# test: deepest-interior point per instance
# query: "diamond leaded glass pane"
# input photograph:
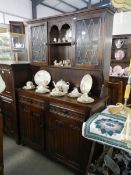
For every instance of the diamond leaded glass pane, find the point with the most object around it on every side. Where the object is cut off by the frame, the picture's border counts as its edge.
(87, 39)
(39, 40)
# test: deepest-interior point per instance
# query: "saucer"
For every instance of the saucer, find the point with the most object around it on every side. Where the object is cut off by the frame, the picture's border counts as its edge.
(28, 88)
(57, 93)
(86, 100)
(72, 95)
(42, 90)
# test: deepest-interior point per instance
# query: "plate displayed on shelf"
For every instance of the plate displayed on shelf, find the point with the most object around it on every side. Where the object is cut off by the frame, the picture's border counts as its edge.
(118, 70)
(110, 73)
(42, 77)
(86, 83)
(126, 72)
(119, 55)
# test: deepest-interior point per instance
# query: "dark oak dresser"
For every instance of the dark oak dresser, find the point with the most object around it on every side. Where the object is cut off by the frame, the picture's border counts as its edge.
(15, 75)
(1, 144)
(68, 47)
(53, 125)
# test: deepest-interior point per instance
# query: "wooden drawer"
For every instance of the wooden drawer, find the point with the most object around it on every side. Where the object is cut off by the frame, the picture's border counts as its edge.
(7, 105)
(65, 112)
(32, 102)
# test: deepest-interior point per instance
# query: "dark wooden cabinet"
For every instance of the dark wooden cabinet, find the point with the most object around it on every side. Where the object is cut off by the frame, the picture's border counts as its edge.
(64, 139)
(15, 76)
(32, 122)
(68, 47)
(1, 144)
(54, 125)
(75, 40)
(120, 55)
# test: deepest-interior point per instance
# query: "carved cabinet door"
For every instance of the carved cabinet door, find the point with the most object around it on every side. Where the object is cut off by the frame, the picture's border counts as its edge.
(64, 140)
(9, 116)
(32, 126)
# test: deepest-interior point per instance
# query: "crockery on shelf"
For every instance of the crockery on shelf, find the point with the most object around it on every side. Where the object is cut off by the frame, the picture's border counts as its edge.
(56, 92)
(62, 86)
(118, 70)
(74, 93)
(119, 55)
(29, 85)
(42, 77)
(84, 98)
(42, 89)
(126, 72)
(119, 43)
(86, 83)
(110, 73)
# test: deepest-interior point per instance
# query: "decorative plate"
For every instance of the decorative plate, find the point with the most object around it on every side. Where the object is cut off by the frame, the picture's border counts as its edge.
(119, 55)
(126, 72)
(42, 77)
(86, 83)
(110, 70)
(118, 70)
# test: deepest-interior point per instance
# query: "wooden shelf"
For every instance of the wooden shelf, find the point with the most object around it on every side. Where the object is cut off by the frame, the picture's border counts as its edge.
(61, 44)
(120, 61)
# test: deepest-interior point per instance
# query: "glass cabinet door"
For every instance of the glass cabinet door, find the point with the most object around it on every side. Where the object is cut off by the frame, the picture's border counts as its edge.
(39, 42)
(87, 41)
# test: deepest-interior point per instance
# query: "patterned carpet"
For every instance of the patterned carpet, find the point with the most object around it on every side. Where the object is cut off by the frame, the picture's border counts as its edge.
(20, 160)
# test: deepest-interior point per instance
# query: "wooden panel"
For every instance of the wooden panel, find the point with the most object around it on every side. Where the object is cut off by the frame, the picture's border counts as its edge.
(9, 116)
(32, 125)
(64, 140)
(1, 144)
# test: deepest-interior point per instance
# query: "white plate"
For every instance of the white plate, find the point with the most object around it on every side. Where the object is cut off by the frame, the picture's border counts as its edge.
(118, 70)
(86, 83)
(126, 72)
(2, 84)
(110, 70)
(42, 77)
(119, 55)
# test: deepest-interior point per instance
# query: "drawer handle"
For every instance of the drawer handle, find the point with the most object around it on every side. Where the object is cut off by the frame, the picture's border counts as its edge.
(66, 112)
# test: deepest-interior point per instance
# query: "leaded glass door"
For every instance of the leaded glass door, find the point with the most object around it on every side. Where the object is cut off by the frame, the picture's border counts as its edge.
(88, 41)
(39, 42)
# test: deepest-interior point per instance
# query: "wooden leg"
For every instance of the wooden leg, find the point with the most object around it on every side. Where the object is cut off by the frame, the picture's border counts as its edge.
(90, 157)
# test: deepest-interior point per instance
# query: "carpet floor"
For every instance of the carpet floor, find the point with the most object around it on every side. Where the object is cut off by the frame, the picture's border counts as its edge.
(21, 160)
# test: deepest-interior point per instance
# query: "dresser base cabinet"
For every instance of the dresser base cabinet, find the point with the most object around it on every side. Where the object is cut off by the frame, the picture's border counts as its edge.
(32, 122)
(53, 125)
(15, 75)
(64, 140)
(1, 144)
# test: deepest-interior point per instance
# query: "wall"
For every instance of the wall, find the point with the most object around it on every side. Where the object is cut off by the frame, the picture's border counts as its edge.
(16, 10)
(122, 23)
(45, 11)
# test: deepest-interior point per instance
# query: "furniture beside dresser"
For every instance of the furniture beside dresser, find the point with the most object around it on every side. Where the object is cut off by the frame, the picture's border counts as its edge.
(53, 125)
(120, 58)
(1, 143)
(15, 75)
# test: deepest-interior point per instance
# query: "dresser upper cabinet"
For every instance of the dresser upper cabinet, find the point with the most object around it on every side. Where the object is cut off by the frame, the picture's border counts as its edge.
(80, 39)
(61, 41)
(38, 42)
